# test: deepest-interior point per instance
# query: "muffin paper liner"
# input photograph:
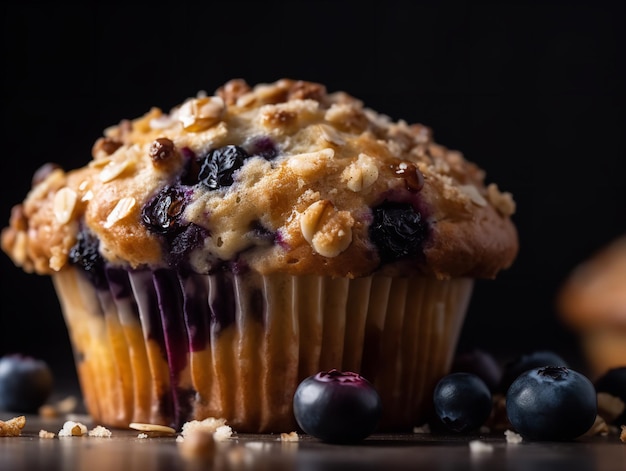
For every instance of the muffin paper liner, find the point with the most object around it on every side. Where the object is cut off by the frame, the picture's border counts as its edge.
(165, 347)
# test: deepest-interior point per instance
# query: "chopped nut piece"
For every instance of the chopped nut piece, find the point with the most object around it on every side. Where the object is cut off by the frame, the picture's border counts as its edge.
(113, 170)
(12, 427)
(361, 174)
(152, 428)
(122, 209)
(64, 204)
(310, 162)
(327, 230)
(472, 193)
(199, 114)
(162, 150)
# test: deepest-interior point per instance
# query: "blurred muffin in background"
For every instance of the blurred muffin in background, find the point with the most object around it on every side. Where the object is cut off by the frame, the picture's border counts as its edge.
(592, 301)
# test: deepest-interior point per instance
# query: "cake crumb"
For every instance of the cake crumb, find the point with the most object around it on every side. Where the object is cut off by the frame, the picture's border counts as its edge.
(512, 437)
(197, 444)
(478, 446)
(422, 429)
(12, 427)
(100, 431)
(73, 429)
(210, 424)
(46, 434)
(622, 435)
(289, 437)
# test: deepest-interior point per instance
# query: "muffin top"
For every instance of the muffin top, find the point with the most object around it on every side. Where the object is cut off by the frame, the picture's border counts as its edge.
(594, 293)
(279, 177)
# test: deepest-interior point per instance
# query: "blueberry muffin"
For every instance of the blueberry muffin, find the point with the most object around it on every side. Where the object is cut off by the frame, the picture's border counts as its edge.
(592, 302)
(209, 258)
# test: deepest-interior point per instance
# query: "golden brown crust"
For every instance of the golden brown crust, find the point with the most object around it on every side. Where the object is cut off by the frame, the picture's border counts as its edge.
(336, 161)
(594, 294)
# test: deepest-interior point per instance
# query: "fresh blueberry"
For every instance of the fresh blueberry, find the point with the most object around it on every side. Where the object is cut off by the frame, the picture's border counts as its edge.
(613, 382)
(337, 407)
(397, 230)
(528, 361)
(481, 363)
(462, 402)
(551, 403)
(219, 165)
(25, 383)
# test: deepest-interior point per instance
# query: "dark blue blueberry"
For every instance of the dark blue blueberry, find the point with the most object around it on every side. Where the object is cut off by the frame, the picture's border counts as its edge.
(462, 402)
(162, 214)
(25, 383)
(551, 403)
(481, 363)
(528, 361)
(613, 382)
(398, 231)
(85, 253)
(219, 165)
(337, 407)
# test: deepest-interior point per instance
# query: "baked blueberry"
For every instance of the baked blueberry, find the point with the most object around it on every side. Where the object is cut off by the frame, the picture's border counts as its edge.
(85, 253)
(397, 230)
(551, 403)
(337, 407)
(528, 361)
(25, 383)
(219, 165)
(462, 402)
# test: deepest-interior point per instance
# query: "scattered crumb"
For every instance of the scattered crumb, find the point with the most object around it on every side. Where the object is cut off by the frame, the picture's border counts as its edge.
(12, 427)
(512, 437)
(478, 446)
(289, 437)
(622, 435)
(73, 429)
(100, 431)
(223, 432)
(423, 429)
(64, 406)
(599, 427)
(46, 434)
(258, 446)
(210, 424)
(143, 435)
(197, 444)
(610, 407)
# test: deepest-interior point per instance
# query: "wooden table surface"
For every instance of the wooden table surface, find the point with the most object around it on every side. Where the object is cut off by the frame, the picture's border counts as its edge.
(125, 451)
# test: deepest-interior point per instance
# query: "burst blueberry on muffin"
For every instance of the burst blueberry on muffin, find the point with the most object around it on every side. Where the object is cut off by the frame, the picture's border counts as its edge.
(209, 258)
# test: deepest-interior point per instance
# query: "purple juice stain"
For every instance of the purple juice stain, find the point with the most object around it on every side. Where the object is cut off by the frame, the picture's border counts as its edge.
(170, 303)
(196, 310)
(222, 303)
(119, 284)
(262, 146)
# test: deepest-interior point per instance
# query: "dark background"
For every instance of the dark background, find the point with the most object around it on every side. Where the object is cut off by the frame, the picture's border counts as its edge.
(533, 93)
